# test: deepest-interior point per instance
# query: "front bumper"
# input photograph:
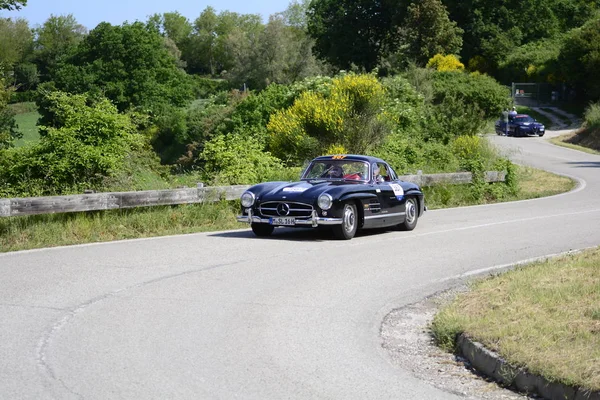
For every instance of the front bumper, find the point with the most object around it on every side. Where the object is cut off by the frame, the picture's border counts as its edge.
(314, 220)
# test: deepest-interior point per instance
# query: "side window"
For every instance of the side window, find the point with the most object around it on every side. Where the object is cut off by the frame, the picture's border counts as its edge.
(383, 171)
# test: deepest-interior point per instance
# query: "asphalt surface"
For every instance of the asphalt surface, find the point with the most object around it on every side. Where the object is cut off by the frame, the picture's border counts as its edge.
(296, 316)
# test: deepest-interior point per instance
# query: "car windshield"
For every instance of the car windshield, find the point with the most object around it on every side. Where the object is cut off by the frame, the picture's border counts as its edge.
(524, 118)
(337, 170)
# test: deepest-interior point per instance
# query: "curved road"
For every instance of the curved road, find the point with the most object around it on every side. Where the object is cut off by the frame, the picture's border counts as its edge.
(296, 316)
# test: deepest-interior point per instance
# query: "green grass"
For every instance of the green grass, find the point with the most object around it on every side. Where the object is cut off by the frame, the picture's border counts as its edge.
(536, 115)
(30, 232)
(533, 183)
(544, 317)
(26, 118)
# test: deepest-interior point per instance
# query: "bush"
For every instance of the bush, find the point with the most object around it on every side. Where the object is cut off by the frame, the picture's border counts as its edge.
(206, 87)
(452, 117)
(8, 126)
(89, 145)
(234, 159)
(350, 115)
(480, 91)
(450, 62)
(592, 116)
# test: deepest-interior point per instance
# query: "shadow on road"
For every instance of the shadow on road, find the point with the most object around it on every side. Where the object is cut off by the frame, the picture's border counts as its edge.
(585, 164)
(296, 234)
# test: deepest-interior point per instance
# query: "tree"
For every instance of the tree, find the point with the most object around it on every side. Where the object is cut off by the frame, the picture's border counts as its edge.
(129, 64)
(16, 44)
(355, 32)
(579, 60)
(427, 31)
(12, 4)
(55, 39)
(8, 127)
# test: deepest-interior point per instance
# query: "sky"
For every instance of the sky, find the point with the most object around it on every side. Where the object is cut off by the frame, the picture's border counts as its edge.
(90, 13)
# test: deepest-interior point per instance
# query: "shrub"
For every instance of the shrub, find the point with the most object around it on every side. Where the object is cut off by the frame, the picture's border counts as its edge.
(8, 126)
(474, 89)
(89, 145)
(592, 116)
(452, 117)
(234, 159)
(445, 63)
(349, 114)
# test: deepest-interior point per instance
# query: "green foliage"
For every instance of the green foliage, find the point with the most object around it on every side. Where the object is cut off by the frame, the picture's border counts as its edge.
(592, 116)
(56, 38)
(579, 59)
(348, 32)
(88, 144)
(534, 61)
(206, 87)
(16, 44)
(476, 90)
(235, 159)
(8, 127)
(427, 31)
(26, 76)
(443, 63)
(128, 64)
(494, 29)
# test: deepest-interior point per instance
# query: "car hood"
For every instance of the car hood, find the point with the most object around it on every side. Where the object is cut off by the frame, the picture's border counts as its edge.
(303, 191)
(531, 124)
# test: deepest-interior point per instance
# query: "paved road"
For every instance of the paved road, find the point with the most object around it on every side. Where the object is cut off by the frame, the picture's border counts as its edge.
(296, 316)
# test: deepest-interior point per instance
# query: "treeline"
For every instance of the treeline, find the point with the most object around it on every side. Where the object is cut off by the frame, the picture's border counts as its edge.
(228, 99)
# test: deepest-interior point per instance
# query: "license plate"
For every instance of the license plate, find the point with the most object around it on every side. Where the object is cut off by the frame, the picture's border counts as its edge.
(282, 221)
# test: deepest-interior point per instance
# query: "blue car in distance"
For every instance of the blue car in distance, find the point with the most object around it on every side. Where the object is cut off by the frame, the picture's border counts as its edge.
(520, 125)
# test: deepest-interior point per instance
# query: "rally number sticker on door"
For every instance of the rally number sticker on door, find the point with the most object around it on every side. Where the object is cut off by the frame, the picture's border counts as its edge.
(398, 191)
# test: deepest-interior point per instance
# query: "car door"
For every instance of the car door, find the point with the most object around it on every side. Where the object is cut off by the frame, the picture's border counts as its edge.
(390, 195)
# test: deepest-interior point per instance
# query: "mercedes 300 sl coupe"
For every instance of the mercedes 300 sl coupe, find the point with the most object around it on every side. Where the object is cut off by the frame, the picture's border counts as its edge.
(343, 192)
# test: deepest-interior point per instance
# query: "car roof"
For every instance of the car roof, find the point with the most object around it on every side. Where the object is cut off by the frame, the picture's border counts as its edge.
(351, 157)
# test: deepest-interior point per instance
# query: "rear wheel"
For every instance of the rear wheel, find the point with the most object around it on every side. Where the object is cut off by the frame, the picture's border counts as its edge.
(262, 229)
(412, 215)
(349, 224)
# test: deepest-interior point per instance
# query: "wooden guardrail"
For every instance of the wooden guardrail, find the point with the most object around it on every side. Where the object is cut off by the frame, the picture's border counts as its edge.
(118, 200)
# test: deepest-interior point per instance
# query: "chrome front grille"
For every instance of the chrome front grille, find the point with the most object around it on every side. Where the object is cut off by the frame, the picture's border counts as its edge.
(285, 209)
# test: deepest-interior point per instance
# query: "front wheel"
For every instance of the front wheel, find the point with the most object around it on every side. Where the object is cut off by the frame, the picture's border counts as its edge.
(262, 229)
(347, 229)
(412, 215)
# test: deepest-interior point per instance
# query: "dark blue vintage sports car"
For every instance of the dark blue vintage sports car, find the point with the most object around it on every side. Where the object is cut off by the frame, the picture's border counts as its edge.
(520, 125)
(344, 192)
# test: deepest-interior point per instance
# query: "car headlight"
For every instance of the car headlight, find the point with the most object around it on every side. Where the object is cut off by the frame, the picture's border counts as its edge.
(248, 199)
(325, 201)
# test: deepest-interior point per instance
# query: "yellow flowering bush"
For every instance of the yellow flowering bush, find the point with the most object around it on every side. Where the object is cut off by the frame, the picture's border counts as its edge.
(445, 63)
(346, 116)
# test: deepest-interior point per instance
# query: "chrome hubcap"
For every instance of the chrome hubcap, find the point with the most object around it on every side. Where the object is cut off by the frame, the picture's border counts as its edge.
(349, 219)
(411, 211)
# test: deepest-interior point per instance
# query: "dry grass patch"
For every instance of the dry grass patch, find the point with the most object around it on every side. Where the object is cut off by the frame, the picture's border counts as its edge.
(545, 317)
(534, 183)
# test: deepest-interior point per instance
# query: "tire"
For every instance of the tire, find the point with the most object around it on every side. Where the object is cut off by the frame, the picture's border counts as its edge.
(347, 229)
(412, 215)
(262, 230)
(541, 134)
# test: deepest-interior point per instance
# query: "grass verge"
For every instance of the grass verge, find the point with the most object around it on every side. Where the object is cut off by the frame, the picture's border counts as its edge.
(586, 140)
(544, 317)
(29, 232)
(533, 183)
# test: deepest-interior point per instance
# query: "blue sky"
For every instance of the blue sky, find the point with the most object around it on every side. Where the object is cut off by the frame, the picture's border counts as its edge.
(91, 12)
